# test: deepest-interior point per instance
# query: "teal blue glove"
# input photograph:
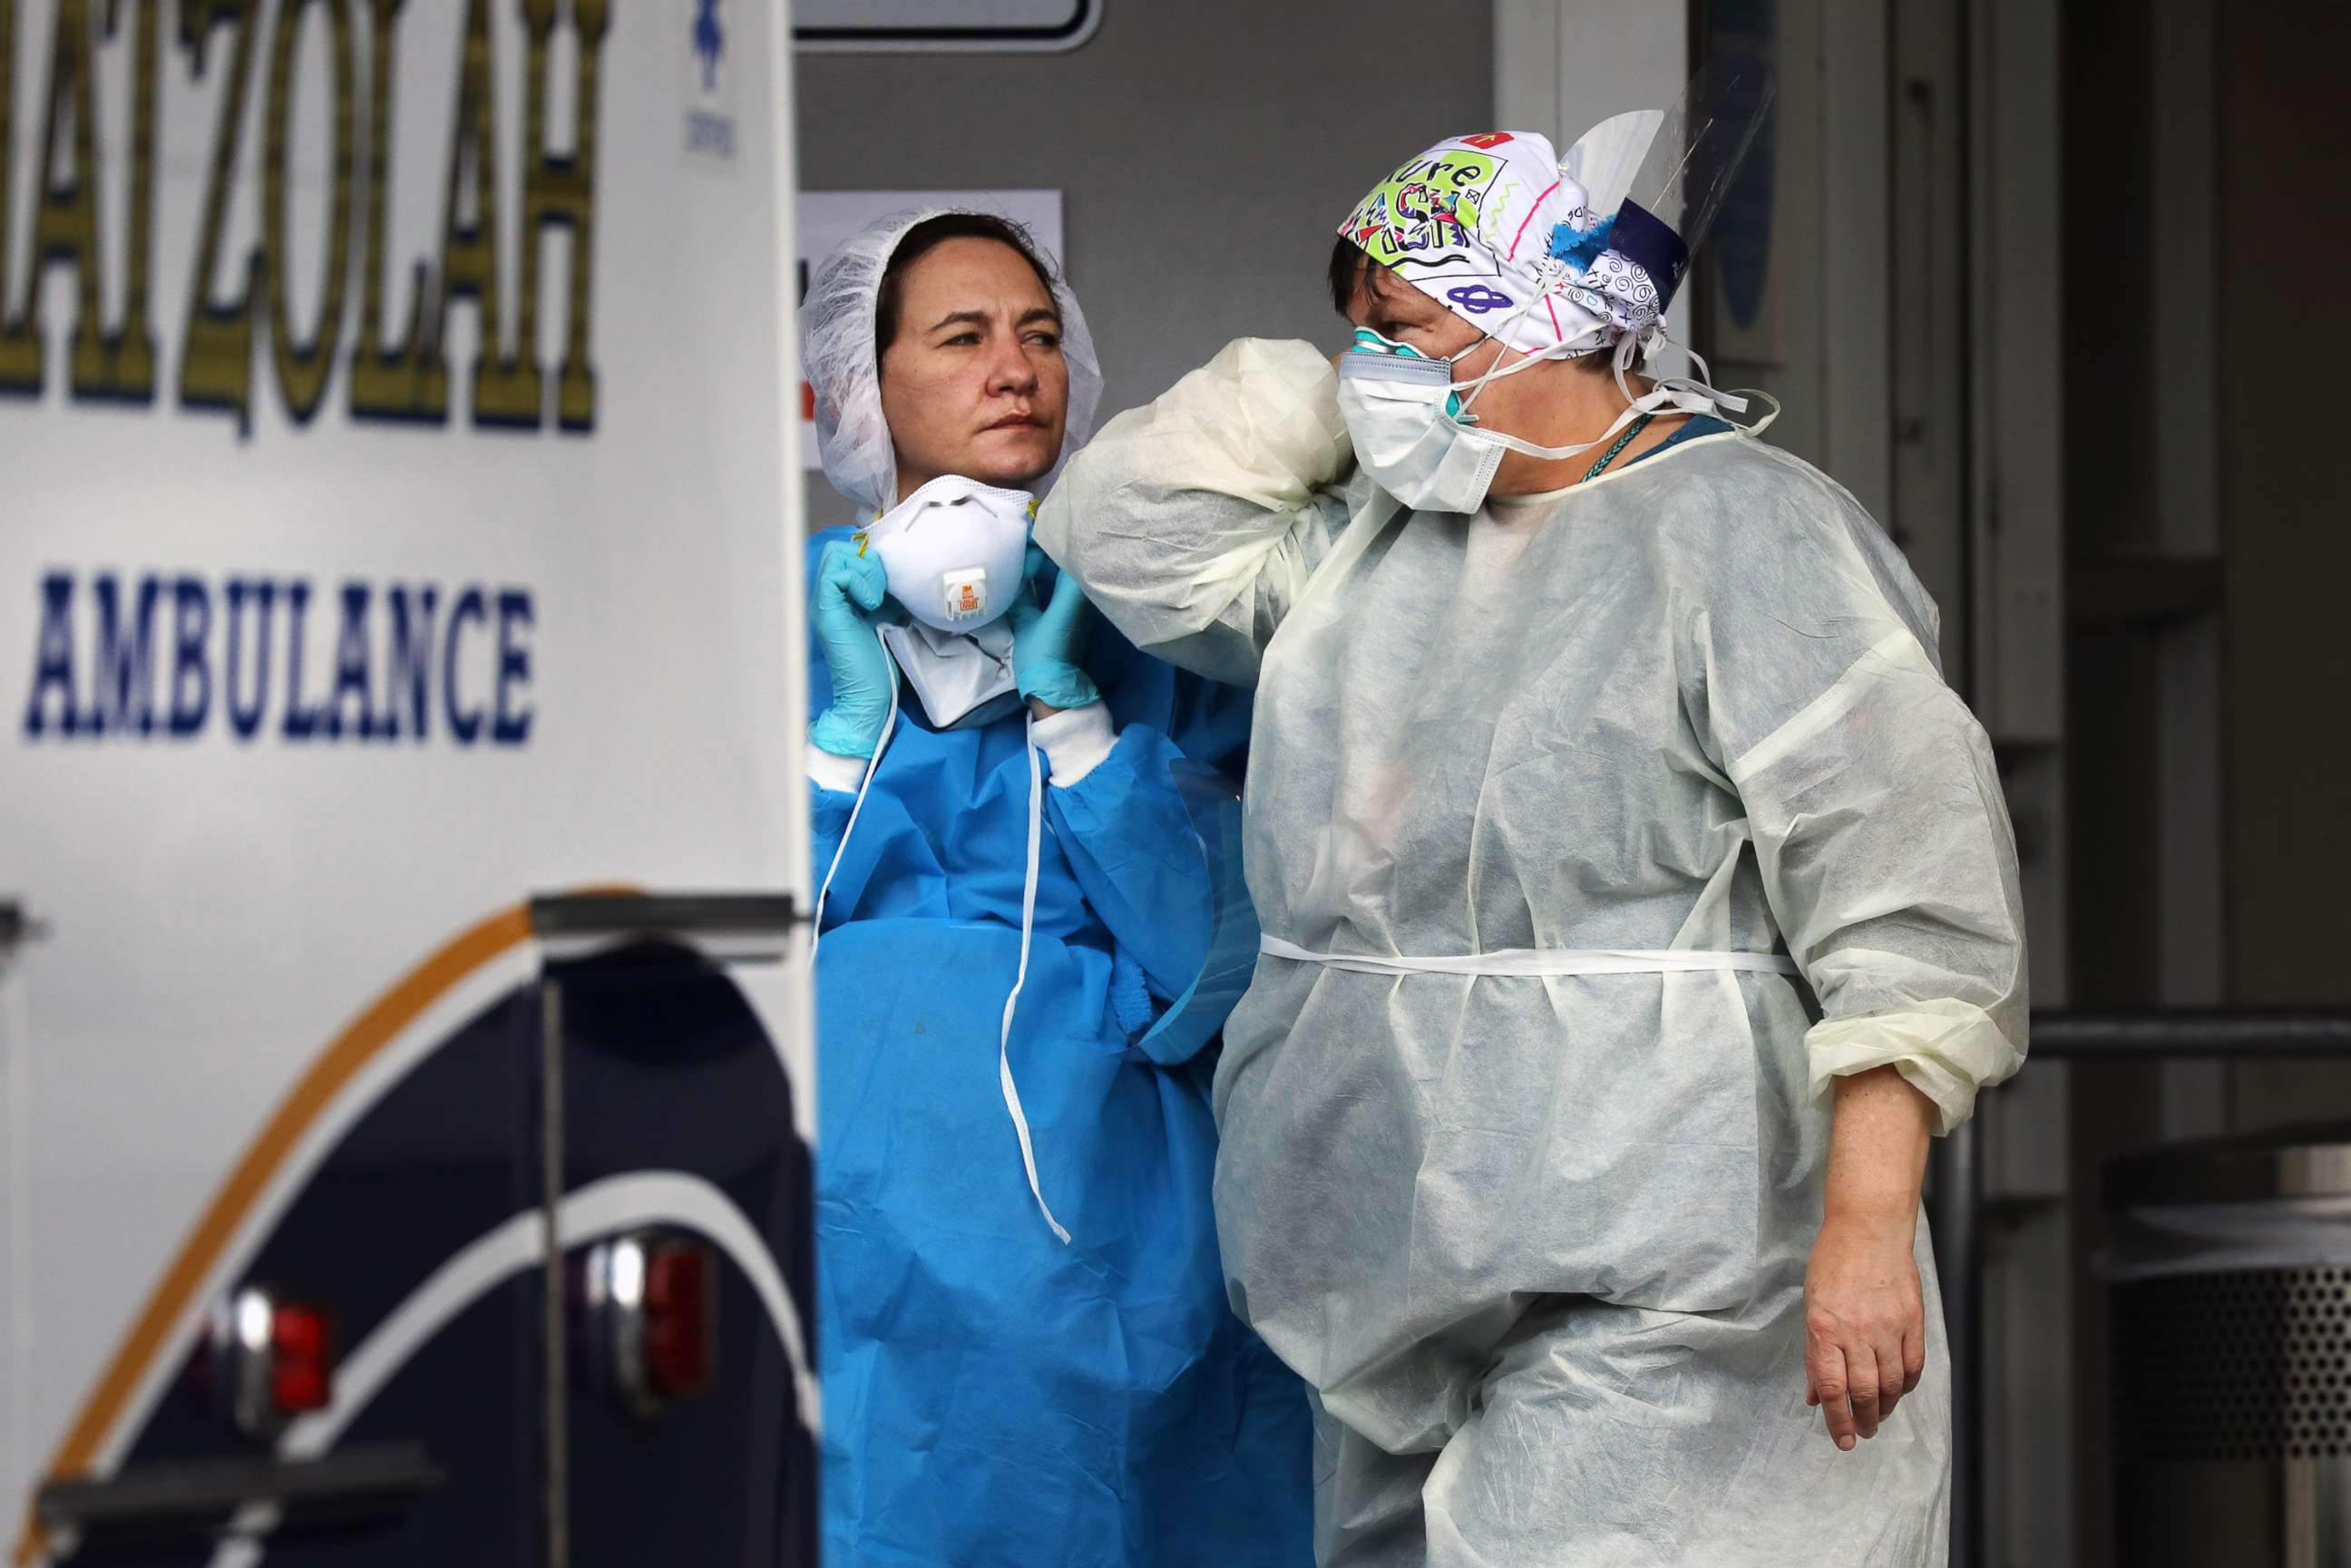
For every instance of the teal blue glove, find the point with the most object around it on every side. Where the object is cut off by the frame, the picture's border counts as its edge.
(848, 592)
(1049, 641)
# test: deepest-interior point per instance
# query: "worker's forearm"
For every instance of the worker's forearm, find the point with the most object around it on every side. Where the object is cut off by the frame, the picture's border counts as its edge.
(1877, 1149)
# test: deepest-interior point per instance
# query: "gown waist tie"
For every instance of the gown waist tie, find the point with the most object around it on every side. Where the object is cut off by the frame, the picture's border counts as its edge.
(1541, 961)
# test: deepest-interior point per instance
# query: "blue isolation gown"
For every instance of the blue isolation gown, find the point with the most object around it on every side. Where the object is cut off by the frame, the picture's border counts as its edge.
(992, 1398)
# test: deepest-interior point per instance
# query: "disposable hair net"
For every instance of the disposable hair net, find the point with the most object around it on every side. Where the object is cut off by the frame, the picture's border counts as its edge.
(837, 319)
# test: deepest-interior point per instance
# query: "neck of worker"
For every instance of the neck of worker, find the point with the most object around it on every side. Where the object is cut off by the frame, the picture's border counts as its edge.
(1557, 402)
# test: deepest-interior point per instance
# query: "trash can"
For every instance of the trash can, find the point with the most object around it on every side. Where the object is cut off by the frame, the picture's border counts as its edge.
(2230, 1283)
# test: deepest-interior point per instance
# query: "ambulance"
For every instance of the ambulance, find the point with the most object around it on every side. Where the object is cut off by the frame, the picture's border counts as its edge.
(405, 1091)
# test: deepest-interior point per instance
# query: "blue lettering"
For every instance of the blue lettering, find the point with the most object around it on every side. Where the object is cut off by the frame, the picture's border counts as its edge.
(351, 667)
(463, 724)
(302, 723)
(53, 658)
(171, 654)
(121, 695)
(512, 728)
(191, 626)
(410, 671)
(244, 720)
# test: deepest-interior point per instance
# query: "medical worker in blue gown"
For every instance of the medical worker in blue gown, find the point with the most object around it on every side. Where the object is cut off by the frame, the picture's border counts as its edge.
(1031, 926)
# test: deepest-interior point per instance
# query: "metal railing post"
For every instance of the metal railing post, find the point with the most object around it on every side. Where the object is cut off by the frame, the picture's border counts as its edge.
(1954, 1217)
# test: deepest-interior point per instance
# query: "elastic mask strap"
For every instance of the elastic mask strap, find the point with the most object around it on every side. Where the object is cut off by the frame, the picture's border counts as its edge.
(1764, 424)
(1703, 388)
(1648, 404)
(1004, 1035)
(873, 764)
(1628, 349)
(1678, 393)
(1497, 370)
(1688, 393)
(1499, 336)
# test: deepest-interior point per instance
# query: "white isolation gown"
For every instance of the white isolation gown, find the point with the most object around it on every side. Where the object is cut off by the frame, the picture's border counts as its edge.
(1592, 835)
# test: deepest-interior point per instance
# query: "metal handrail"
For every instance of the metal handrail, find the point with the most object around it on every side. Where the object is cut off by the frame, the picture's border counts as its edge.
(2172, 1036)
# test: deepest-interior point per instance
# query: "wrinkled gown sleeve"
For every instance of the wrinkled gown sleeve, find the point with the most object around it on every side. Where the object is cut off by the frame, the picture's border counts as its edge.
(1195, 521)
(1875, 807)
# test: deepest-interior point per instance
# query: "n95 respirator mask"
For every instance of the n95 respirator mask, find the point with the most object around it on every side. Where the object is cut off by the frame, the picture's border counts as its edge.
(953, 551)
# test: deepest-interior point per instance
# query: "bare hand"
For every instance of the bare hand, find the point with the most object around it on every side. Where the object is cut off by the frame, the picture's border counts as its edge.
(1864, 1324)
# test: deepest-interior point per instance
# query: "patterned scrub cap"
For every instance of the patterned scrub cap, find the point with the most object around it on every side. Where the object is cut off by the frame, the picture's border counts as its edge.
(1501, 232)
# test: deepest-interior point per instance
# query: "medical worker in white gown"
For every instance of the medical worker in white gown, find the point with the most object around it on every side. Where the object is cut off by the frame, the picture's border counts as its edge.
(1638, 898)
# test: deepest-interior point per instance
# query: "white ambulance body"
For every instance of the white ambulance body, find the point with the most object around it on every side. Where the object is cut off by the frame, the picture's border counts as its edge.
(405, 1100)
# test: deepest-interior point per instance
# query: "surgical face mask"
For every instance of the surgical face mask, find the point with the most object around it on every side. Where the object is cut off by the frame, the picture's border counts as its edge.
(1415, 434)
(1404, 419)
(953, 551)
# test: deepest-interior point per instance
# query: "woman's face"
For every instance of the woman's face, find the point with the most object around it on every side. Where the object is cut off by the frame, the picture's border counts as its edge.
(973, 383)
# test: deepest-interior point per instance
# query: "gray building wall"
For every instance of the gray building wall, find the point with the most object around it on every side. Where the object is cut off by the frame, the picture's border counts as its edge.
(1206, 151)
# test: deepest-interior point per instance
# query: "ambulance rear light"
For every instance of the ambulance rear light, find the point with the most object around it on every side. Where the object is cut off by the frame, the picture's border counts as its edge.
(270, 1360)
(679, 1320)
(650, 1319)
(302, 1377)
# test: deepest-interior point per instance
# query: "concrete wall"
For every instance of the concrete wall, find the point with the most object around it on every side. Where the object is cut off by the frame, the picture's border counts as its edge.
(1206, 152)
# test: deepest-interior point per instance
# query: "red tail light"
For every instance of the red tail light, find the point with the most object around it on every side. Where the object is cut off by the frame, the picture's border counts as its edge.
(302, 1374)
(648, 1318)
(268, 1360)
(678, 1320)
